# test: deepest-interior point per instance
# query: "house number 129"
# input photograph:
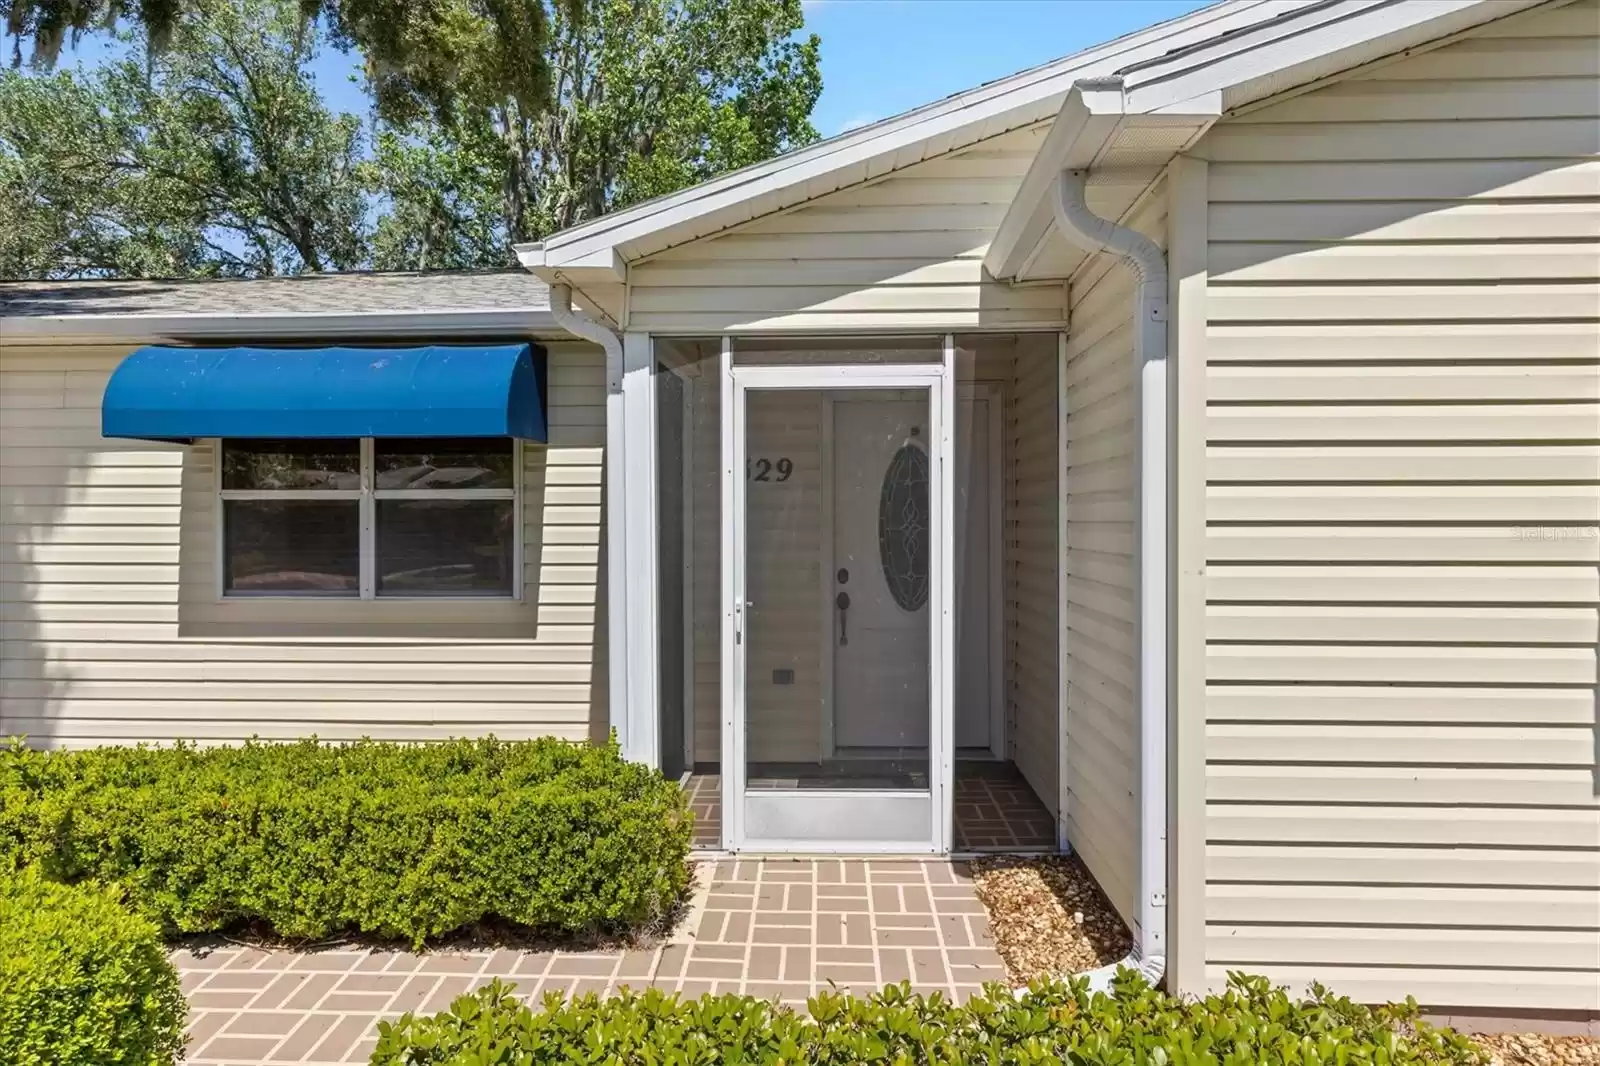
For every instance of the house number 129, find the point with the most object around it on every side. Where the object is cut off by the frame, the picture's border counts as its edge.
(765, 469)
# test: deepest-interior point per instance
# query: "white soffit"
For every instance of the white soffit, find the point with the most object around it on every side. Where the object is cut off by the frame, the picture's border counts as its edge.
(599, 251)
(1125, 129)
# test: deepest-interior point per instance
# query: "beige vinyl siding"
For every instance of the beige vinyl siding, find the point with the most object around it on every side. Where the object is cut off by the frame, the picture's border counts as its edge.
(1099, 614)
(1404, 527)
(903, 252)
(111, 628)
(1031, 559)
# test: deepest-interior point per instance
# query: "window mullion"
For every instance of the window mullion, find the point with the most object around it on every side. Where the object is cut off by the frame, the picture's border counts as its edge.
(369, 538)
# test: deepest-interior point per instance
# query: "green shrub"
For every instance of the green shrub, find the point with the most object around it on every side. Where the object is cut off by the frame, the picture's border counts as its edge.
(83, 981)
(390, 839)
(1052, 1022)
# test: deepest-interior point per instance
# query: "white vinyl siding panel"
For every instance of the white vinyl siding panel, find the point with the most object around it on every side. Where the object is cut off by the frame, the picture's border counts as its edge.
(1031, 559)
(111, 629)
(1102, 711)
(1403, 453)
(904, 252)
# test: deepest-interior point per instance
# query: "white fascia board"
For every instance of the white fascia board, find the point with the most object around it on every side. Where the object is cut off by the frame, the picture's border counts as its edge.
(1019, 100)
(1077, 133)
(597, 266)
(1296, 50)
(87, 329)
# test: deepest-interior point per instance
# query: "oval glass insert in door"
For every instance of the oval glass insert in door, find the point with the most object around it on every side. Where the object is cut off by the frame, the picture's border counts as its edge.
(903, 526)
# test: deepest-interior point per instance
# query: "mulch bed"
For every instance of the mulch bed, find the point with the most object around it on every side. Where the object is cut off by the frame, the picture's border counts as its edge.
(1048, 916)
(1530, 1049)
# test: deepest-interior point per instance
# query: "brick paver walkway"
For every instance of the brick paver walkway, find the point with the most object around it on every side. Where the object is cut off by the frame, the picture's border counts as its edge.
(776, 928)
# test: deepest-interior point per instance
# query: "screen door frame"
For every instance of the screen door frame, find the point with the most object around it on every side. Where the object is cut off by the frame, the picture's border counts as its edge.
(898, 823)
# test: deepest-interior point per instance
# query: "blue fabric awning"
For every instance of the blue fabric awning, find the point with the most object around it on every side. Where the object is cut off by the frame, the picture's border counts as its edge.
(182, 394)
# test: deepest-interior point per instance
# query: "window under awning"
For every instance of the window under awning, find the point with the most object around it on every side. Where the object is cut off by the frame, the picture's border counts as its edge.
(183, 394)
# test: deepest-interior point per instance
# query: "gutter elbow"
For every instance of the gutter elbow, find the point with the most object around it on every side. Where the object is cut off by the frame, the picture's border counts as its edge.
(580, 324)
(1094, 234)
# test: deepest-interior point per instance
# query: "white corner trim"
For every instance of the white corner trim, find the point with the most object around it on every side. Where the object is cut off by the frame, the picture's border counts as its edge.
(637, 526)
(1063, 636)
(1187, 234)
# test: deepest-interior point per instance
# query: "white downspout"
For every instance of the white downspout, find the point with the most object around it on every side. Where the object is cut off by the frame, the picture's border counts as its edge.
(1092, 233)
(579, 324)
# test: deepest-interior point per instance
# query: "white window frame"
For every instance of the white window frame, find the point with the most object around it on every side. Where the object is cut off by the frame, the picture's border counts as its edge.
(367, 497)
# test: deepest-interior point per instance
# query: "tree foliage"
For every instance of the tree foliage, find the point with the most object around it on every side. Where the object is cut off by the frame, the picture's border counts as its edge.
(649, 96)
(218, 157)
(417, 53)
(214, 154)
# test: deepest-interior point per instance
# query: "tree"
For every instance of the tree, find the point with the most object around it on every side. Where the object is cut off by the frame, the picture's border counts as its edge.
(75, 199)
(441, 189)
(416, 52)
(220, 158)
(648, 96)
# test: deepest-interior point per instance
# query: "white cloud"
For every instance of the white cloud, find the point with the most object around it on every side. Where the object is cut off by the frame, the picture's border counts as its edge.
(856, 121)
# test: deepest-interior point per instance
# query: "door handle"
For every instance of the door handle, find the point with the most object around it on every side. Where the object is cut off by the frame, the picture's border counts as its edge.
(738, 619)
(842, 601)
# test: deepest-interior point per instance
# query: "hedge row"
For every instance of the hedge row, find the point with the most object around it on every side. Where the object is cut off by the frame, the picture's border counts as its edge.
(390, 839)
(1053, 1022)
(83, 981)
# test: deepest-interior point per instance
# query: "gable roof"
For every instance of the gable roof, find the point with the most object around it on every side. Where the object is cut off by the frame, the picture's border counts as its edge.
(597, 251)
(1182, 73)
(428, 302)
(1139, 118)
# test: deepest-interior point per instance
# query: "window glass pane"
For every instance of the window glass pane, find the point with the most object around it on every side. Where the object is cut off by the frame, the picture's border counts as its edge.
(445, 547)
(445, 463)
(292, 546)
(291, 464)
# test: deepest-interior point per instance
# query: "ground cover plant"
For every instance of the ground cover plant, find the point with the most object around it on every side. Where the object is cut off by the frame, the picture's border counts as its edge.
(1052, 1022)
(315, 840)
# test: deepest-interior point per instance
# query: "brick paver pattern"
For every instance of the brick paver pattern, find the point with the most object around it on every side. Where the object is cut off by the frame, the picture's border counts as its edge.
(776, 928)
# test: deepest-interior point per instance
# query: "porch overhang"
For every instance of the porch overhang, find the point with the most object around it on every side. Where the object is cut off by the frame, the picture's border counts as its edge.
(1125, 128)
(1124, 153)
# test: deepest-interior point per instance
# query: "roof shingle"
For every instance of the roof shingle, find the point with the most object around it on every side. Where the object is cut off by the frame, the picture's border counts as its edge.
(500, 290)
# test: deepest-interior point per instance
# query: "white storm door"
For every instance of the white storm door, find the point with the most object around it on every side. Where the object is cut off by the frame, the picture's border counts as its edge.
(785, 788)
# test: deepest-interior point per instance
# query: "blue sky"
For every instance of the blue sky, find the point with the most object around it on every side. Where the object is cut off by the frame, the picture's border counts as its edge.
(882, 57)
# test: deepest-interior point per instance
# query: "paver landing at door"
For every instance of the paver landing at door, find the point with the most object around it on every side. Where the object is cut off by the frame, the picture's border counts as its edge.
(776, 928)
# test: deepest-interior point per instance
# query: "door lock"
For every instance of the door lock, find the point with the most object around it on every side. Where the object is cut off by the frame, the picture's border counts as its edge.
(842, 601)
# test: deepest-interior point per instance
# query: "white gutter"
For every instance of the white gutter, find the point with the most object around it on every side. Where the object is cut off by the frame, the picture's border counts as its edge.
(579, 324)
(274, 324)
(1089, 231)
